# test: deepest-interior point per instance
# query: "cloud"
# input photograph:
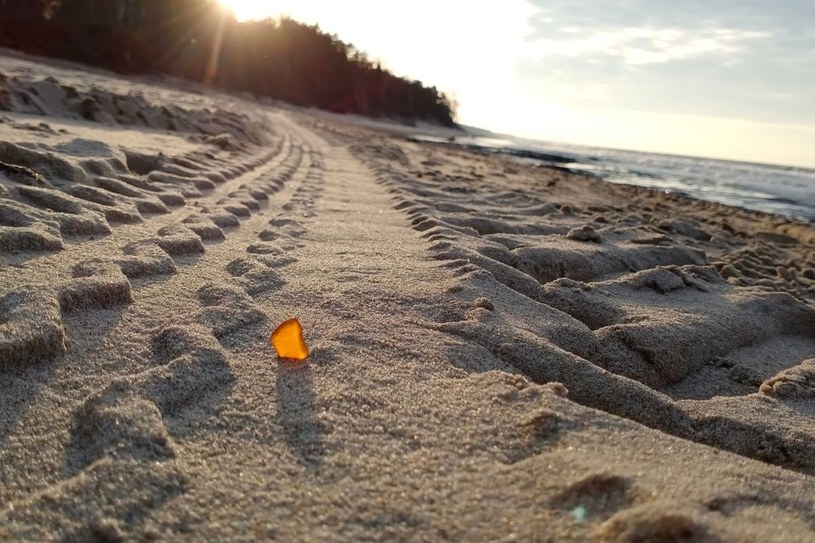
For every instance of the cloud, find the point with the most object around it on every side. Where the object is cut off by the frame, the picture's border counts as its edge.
(757, 15)
(635, 46)
(751, 59)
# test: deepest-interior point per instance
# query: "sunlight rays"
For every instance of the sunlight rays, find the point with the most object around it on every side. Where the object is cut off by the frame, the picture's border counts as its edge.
(245, 10)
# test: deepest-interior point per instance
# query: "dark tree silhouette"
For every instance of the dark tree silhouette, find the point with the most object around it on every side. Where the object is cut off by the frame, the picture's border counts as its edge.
(200, 41)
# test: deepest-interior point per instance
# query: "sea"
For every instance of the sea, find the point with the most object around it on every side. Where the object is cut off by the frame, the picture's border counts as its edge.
(782, 190)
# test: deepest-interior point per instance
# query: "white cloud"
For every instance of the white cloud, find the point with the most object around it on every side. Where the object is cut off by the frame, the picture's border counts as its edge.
(706, 77)
(641, 46)
(747, 60)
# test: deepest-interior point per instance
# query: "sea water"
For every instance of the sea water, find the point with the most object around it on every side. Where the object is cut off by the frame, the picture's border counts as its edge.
(783, 190)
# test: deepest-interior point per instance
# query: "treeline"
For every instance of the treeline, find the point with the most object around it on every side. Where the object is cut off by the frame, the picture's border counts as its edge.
(200, 41)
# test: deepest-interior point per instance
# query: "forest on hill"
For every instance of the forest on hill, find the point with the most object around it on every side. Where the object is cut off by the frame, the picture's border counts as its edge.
(200, 41)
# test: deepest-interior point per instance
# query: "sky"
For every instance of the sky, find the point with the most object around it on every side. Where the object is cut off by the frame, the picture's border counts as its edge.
(714, 78)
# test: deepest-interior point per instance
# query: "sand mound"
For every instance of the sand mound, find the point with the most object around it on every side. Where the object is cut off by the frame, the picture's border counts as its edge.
(596, 304)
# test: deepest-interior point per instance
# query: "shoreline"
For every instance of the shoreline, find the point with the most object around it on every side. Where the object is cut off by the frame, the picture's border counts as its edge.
(781, 222)
(589, 161)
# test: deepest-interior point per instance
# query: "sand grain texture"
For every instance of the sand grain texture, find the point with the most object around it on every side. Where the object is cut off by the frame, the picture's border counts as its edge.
(497, 351)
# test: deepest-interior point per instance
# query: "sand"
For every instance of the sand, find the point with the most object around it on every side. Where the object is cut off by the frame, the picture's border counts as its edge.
(499, 351)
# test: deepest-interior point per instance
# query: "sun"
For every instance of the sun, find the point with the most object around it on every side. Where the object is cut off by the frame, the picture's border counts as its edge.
(245, 10)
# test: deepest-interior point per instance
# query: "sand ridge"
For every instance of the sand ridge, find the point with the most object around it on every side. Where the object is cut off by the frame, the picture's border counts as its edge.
(498, 352)
(656, 310)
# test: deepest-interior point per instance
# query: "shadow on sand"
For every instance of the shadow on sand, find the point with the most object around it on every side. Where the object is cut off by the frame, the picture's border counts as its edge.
(297, 412)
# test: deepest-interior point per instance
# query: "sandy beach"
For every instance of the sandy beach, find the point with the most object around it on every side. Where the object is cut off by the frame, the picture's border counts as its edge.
(498, 351)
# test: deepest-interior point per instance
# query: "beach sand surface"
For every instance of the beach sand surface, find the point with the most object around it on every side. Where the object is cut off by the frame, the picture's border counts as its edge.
(498, 351)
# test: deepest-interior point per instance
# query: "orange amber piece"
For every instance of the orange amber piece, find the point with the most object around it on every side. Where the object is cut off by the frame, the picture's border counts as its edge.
(288, 341)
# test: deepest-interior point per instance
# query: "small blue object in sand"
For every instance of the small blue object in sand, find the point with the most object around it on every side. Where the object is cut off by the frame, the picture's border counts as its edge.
(580, 513)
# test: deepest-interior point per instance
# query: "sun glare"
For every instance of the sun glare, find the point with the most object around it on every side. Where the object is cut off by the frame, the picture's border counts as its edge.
(245, 10)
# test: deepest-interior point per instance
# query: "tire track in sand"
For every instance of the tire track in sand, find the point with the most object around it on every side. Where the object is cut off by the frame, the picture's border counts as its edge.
(633, 319)
(155, 364)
